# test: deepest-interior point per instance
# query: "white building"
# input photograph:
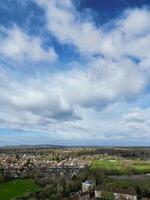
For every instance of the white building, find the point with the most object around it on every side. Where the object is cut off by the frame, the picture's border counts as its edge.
(88, 186)
(98, 194)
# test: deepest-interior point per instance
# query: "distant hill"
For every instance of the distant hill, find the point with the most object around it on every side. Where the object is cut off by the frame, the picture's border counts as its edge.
(45, 146)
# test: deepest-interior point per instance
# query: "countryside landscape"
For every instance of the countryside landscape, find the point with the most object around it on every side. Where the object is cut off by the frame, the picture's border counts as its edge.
(74, 99)
(29, 173)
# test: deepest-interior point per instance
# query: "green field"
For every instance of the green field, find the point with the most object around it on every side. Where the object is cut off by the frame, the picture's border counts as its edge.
(122, 166)
(10, 190)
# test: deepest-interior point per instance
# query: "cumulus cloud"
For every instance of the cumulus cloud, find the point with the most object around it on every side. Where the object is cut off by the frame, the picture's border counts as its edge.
(68, 25)
(64, 21)
(130, 24)
(32, 105)
(17, 45)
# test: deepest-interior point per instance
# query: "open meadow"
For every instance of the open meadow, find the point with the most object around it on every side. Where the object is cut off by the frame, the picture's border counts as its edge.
(12, 189)
(122, 166)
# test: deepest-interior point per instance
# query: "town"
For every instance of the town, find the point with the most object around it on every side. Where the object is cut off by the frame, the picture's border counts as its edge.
(78, 173)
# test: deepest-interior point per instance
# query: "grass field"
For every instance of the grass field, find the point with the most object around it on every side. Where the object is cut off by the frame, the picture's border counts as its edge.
(10, 190)
(122, 166)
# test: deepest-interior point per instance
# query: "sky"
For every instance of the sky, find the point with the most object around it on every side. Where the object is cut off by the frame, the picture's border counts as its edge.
(75, 72)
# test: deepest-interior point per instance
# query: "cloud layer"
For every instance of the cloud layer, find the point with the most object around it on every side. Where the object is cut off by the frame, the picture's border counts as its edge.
(91, 99)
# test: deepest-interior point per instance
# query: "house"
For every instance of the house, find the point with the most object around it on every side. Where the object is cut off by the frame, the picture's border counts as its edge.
(88, 186)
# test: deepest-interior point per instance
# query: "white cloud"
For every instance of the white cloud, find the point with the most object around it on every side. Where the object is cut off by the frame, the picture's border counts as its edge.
(80, 102)
(65, 23)
(17, 45)
(128, 35)
(136, 21)
(59, 105)
(137, 123)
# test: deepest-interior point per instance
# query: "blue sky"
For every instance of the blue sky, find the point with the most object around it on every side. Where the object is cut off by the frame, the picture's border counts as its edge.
(75, 72)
